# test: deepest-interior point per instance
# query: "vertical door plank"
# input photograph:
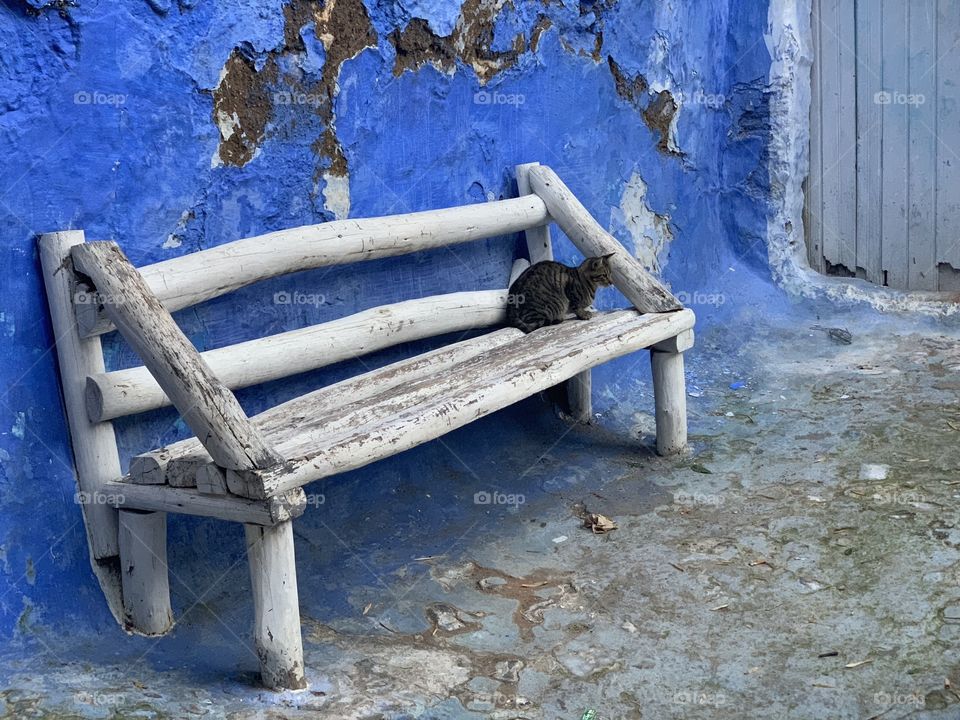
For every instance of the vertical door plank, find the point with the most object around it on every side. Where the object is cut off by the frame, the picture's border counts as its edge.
(847, 150)
(948, 146)
(813, 195)
(830, 128)
(893, 246)
(869, 135)
(921, 109)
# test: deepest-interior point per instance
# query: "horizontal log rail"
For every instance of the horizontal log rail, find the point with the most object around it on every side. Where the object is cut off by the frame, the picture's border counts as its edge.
(162, 498)
(190, 279)
(119, 393)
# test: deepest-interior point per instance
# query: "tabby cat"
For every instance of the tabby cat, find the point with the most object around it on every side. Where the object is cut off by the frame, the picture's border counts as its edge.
(546, 291)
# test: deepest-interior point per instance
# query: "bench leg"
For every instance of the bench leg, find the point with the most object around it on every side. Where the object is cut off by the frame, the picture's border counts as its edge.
(670, 396)
(144, 576)
(273, 575)
(578, 397)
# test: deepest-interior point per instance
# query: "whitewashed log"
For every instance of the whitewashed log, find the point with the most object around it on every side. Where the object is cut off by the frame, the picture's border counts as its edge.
(678, 344)
(205, 404)
(143, 572)
(189, 501)
(94, 447)
(539, 246)
(125, 392)
(416, 412)
(211, 479)
(273, 576)
(187, 280)
(183, 474)
(519, 265)
(670, 398)
(579, 389)
(151, 468)
(178, 457)
(643, 290)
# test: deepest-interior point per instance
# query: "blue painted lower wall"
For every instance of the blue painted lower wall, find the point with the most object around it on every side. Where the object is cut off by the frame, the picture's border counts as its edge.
(171, 127)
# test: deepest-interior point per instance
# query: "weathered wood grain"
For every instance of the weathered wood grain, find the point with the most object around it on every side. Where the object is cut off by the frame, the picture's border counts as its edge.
(205, 404)
(813, 189)
(643, 290)
(94, 445)
(190, 279)
(361, 433)
(948, 150)
(143, 568)
(187, 456)
(922, 271)
(670, 400)
(273, 576)
(896, 143)
(189, 501)
(869, 120)
(126, 392)
(539, 247)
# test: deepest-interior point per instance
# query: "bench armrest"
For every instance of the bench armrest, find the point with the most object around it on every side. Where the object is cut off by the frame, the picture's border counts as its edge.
(205, 404)
(643, 290)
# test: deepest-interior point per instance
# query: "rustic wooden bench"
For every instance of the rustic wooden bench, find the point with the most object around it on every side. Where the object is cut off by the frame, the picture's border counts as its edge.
(252, 470)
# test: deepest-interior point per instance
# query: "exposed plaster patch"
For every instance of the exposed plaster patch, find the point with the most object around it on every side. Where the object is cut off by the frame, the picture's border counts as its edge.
(336, 195)
(659, 113)
(418, 45)
(241, 109)
(19, 426)
(543, 24)
(175, 239)
(243, 103)
(660, 116)
(37, 7)
(651, 232)
(345, 30)
(633, 90)
(789, 42)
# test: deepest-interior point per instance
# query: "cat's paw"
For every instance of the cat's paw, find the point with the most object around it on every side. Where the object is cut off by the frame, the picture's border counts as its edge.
(584, 314)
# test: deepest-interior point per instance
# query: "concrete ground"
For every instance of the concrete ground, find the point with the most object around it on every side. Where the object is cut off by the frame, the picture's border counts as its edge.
(803, 561)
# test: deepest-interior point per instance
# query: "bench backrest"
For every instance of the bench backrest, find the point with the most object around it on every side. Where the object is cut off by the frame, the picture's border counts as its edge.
(138, 303)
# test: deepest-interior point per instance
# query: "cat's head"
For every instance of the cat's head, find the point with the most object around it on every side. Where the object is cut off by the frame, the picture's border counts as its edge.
(597, 270)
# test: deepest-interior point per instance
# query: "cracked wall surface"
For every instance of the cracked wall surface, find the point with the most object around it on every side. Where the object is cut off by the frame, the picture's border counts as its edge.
(172, 126)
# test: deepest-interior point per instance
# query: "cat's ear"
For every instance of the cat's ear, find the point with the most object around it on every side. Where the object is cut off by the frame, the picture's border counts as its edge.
(606, 258)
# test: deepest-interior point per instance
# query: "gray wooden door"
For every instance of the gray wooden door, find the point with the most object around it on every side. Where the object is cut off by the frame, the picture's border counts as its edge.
(883, 195)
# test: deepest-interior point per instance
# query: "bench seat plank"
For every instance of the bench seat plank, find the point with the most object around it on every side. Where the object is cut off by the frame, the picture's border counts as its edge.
(323, 433)
(172, 464)
(414, 413)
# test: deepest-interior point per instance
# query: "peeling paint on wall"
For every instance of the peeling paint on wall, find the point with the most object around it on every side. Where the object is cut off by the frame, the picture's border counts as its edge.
(470, 42)
(241, 109)
(659, 112)
(660, 116)
(650, 231)
(336, 195)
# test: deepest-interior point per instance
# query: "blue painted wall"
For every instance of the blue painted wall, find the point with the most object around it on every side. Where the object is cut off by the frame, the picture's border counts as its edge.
(109, 124)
